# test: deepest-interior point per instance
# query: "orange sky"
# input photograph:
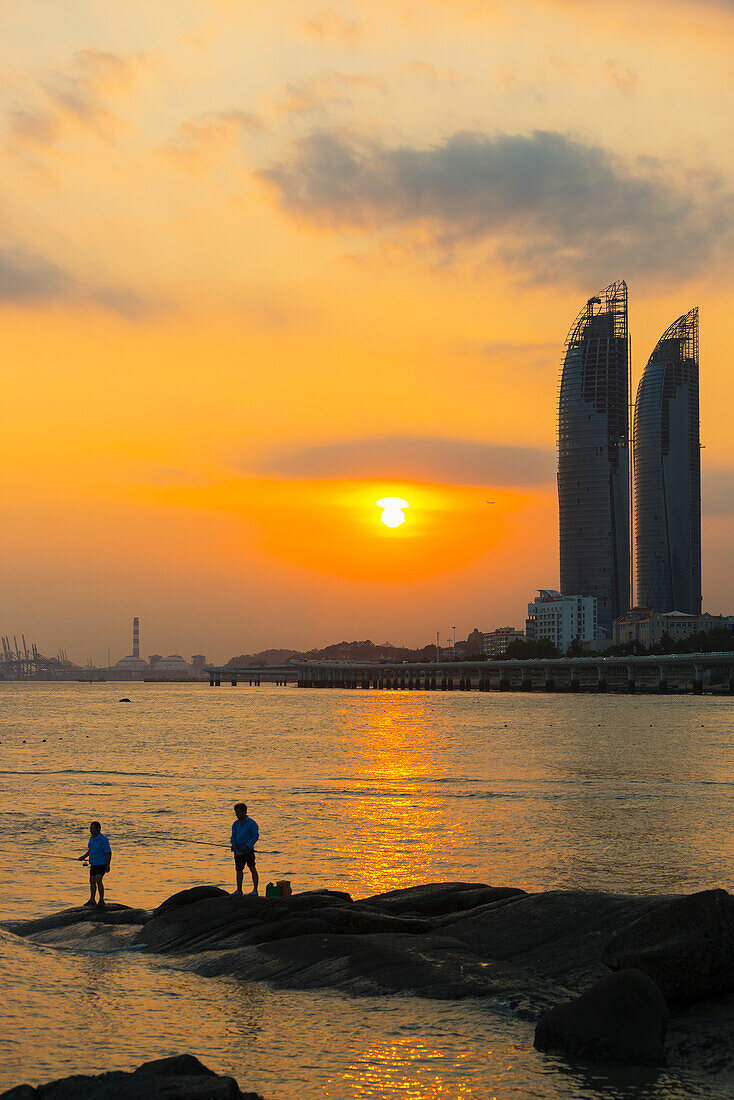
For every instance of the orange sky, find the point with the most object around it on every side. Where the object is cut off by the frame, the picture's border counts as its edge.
(263, 264)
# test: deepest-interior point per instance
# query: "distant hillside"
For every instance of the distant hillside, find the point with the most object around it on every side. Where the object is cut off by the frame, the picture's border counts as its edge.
(366, 650)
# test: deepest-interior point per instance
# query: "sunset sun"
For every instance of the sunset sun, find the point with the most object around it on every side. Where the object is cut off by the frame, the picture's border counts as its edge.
(392, 510)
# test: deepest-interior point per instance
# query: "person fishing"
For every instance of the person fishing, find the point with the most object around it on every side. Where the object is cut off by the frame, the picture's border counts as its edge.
(245, 835)
(99, 854)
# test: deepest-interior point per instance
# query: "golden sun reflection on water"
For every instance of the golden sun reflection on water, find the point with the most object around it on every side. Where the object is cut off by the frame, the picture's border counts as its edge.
(414, 1069)
(390, 838)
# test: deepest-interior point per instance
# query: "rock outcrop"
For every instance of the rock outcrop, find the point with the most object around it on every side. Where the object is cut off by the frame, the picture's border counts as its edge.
(526, 953)
(622, 1018)
(685, 945)
(179, 1078)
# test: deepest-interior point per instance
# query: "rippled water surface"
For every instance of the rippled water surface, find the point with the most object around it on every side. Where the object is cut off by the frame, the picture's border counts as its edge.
(359, 791)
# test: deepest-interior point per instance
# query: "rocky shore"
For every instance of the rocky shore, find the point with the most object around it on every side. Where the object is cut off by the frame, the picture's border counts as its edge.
(604, 977)
(182, 1077)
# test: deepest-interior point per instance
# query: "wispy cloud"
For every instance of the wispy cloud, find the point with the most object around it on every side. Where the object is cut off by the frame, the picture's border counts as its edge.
(329, 90)
(443, 461)
(620, 77)
(331, 26)
(199, 139)
(29, 279)
(501, 353)
(717, 492)
(76, 98)
(545, 204)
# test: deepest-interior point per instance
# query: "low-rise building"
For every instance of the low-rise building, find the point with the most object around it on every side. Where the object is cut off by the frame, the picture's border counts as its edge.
(647, 628)
(561, 619)
(496, 642)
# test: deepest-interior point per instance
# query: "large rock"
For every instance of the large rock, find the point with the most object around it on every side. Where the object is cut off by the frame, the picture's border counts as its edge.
(188, 897)
(113, 913)
(559, 935)
(179, 1078)
(622, 1018)
(226, 921)
(686, 946)
(435, 899)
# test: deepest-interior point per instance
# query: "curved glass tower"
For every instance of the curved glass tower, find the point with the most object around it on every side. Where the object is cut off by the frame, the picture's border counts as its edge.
(593, 456)
(668, 474)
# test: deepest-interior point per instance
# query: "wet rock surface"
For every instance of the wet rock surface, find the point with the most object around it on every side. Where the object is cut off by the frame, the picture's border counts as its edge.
(685, 945)
(622, 1018)
(182, 1077)
(523, 953)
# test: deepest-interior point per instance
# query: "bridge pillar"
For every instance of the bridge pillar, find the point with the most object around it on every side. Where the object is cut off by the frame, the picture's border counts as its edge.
(211, 680)
(631, 685)
(526, 680)
(697, 680)
(662, 680)
(234, 681)
(573, 683)
(601, 680)
(731, 681)
(218, 680)
(550, 684)
(504, 680)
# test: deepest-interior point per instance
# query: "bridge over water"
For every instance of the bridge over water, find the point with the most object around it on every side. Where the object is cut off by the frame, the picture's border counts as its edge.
(692, 672)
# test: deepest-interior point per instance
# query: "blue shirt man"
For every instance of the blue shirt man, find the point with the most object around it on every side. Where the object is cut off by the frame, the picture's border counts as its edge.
(99, 854)
(245, 835)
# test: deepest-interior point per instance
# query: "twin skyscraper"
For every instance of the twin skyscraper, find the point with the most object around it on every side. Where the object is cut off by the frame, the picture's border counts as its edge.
(594, 465)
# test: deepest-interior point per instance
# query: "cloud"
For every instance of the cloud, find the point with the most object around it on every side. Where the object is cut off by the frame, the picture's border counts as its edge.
(331, 89)
(199, 139)
(443, 461)
(545, 204)
(717, 492)
(517, 355)
(29, 279)
(26, 278)
(620, 77)
(332, 26)
(432, 75)
(76, 98)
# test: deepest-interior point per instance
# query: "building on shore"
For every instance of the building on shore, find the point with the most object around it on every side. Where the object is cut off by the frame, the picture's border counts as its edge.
(132, 667)
(562, 619)
(668, 474)
(593, 456)
(645, 627)
(496, 641)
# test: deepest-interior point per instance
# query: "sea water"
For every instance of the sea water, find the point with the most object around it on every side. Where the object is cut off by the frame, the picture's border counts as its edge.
(362, 791)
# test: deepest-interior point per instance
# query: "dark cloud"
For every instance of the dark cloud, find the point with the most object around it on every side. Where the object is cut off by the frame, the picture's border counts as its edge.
(27, 278)
(449, 461)
(544, 203)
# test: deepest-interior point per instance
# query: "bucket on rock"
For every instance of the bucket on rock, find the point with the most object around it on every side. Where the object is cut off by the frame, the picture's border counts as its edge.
(279, 889)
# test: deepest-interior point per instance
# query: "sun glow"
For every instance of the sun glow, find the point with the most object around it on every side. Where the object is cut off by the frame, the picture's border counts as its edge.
(392, 514)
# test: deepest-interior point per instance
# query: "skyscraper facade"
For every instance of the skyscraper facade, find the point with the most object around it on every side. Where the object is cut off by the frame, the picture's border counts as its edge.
(668, 474)
(593, 457)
